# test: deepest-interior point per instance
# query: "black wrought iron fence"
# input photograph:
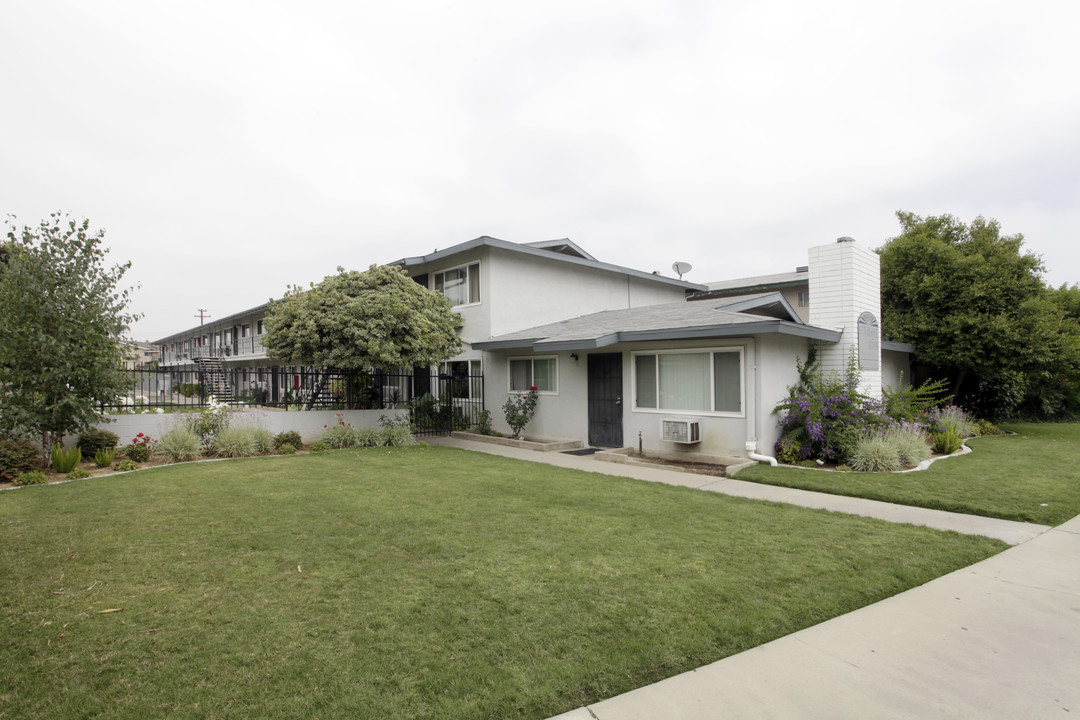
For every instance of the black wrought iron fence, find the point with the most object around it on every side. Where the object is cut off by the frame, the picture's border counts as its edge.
(437, 404)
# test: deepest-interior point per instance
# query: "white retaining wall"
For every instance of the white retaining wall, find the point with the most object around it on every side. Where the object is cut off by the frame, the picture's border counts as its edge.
(308, 423)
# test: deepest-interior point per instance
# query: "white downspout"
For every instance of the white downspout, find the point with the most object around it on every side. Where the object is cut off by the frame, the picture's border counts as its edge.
(752, 426)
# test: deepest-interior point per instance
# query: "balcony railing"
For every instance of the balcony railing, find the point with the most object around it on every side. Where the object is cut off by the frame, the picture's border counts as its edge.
(250, 346)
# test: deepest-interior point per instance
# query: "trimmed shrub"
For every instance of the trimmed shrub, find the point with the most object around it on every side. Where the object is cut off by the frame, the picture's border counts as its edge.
(319, 447)
(286, 449)
(77, 474)
(64, 461)
(985, 427)
(290, 437)
(16, 458)
(235, 442)
(104, 457)
(787, 450)
(180, 445)
(875, 452)
(33, 477)
(483, 423)
(96, 439)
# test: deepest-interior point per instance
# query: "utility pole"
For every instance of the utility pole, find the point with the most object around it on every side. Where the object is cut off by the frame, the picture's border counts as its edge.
(202, 315)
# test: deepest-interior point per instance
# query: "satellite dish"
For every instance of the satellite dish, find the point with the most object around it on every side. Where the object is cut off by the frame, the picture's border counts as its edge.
(681, 268)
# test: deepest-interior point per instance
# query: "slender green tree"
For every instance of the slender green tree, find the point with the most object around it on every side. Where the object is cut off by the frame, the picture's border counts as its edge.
(63, 317)
(974, 304)
(378, 319)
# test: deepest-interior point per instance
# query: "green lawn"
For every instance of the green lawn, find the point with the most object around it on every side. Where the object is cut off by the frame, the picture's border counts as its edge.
(418, 582)
(1032, 476)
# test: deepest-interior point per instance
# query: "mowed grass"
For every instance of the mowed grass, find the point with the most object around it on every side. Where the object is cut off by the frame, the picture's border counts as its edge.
(416, 582)
(1032, 476)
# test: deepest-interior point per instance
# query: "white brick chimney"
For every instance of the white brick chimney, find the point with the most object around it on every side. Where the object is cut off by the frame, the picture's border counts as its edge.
(845, 295)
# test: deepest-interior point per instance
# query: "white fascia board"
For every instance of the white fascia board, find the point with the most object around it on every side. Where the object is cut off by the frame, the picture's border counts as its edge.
(688, 333)
(897, 346)
(525, 249)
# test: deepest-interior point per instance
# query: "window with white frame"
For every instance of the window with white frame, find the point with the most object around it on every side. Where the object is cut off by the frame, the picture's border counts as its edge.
(460, 285)
(259, 327)
(466, 378)
(539, 372)
(804, 298)
(707, 381)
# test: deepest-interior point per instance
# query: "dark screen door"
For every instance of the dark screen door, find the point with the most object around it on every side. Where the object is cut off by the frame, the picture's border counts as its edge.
(605, 400)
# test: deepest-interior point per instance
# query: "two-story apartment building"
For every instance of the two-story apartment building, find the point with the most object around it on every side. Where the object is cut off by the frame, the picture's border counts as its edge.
(621, 356)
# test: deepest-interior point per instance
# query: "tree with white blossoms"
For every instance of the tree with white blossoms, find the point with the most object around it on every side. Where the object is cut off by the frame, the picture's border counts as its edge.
(378, 319)
(63, 317)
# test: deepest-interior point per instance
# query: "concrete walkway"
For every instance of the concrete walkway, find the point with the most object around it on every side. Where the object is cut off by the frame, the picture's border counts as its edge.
(998, 639)
(1007, 530)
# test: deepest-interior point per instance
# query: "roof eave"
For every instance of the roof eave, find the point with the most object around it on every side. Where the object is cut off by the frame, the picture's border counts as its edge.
(783, 327)
(536, 252)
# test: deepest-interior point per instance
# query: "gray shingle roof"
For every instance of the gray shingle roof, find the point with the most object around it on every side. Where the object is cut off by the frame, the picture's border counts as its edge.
(670, 321)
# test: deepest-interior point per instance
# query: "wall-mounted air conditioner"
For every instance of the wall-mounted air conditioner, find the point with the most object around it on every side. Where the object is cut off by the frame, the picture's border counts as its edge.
(680, 431)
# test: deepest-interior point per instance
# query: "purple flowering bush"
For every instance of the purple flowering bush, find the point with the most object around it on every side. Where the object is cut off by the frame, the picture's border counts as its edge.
(827, 418)
(823, 417)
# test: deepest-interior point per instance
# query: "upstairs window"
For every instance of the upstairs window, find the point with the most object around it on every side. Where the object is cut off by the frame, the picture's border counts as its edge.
(460, 285)
(804, 298)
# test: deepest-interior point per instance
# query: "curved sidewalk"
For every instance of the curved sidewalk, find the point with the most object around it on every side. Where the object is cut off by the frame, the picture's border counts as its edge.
(1008, 531)
(998, 639)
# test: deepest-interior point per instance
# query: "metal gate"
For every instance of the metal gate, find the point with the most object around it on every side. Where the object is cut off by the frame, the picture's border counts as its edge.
(453, 402)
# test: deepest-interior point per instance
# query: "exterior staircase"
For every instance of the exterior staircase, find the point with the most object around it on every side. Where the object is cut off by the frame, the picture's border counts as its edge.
(215, 378)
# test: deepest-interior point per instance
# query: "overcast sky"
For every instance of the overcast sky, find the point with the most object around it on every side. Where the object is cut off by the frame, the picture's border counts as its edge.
(230, 149)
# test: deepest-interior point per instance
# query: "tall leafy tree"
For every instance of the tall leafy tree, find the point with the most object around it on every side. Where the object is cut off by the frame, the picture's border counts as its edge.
(378, 319)
(974, 304)
(63, 317)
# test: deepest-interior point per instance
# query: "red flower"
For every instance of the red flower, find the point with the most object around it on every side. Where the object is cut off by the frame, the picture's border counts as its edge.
(533, 388)
(139, 435)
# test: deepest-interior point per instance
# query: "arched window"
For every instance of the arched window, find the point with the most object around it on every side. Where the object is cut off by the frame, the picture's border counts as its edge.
(869, 342)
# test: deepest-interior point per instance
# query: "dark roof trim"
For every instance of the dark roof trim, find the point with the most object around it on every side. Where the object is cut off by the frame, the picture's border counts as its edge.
(783, 327)
(897, 346)
(486, 241)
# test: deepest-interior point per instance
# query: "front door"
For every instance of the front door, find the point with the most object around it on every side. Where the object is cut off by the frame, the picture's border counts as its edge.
(605, 400)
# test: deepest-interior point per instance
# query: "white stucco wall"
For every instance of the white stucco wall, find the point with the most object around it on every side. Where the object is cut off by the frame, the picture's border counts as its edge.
(527, 291)
(768, 370)
(308, 424)
(895, 368)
